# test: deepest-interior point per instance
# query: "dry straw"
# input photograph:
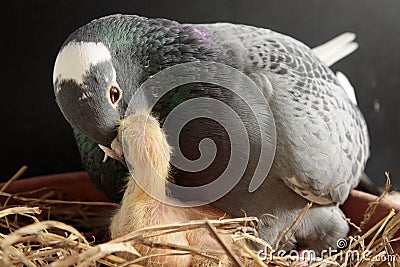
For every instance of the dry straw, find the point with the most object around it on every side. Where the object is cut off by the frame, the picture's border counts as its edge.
(44, 231)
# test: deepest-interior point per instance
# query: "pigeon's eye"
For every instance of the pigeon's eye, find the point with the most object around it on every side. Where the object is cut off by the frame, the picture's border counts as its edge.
(115, 94)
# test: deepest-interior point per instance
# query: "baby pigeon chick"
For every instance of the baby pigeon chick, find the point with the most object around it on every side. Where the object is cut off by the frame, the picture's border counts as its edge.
(147, 152)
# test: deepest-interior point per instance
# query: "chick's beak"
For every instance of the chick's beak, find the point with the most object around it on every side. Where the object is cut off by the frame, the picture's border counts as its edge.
(116, 152)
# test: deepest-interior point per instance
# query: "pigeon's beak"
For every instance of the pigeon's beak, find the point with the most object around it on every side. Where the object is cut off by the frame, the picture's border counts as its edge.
(116, 152)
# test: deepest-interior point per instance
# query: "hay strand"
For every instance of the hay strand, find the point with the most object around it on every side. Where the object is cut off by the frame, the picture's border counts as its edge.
(54, 243)
(13, 178)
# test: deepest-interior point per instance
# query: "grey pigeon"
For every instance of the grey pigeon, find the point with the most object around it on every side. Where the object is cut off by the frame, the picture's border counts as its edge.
(322, 142)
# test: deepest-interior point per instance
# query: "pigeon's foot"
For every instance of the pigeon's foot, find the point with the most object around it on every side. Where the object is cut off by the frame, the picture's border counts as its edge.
(294, 226)
(323, 229)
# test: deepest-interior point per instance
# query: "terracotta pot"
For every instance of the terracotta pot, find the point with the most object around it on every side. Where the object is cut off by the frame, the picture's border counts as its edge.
(358, 202)
(72, 185)
(77, 186)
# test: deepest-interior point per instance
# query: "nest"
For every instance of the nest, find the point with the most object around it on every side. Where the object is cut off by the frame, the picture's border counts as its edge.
(46, 230)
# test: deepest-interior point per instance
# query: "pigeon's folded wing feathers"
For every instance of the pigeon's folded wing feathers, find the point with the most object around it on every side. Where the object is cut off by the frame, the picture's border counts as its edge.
(322, 141)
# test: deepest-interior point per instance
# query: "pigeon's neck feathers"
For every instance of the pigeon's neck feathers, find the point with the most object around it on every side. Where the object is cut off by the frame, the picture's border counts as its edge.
(152, 43)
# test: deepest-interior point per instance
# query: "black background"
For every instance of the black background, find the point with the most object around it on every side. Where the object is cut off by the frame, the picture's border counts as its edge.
(35, 133)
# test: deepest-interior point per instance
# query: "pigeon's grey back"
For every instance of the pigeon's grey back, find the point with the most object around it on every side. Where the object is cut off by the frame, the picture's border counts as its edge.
(322, 139)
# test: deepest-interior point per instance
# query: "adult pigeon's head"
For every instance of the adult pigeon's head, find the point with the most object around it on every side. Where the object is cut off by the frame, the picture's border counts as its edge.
(101, 65)
(86, 89)
(94, 77)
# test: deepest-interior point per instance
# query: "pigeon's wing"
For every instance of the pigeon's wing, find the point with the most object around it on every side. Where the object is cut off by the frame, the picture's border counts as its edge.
(322, 140)
(345, 83)
(335, 50)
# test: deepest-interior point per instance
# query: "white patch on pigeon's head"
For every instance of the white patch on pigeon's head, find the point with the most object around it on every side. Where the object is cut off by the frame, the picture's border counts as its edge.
(76, 58)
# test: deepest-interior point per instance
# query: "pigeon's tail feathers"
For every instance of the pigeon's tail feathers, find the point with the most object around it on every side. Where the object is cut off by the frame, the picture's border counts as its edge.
(337, 48)
(367, 185)
(345, 83)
